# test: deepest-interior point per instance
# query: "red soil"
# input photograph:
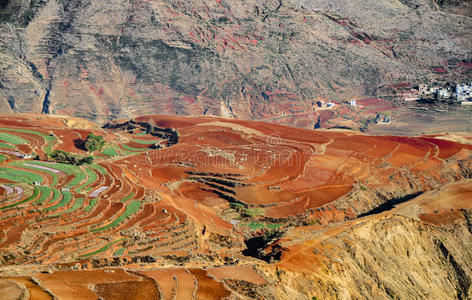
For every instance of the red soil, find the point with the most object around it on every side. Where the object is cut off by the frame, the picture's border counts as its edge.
(188, 192)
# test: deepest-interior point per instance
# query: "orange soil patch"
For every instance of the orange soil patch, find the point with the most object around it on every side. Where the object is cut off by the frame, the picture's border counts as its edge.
(262, 195)
(181, 284)
(443, 217)
(446, 148)
(126, 290)
(300, 258)
(207, 287)
(36, 292)
(76, 284)
(326, 194)
(13, 234)
(245, 273)
(186, 284)
(352, 143)
(307, 200)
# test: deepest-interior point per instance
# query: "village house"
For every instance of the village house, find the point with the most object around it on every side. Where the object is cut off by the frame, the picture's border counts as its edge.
(463, 92)
(433, 90)
(443, 93)
(322, 104)
(423, 89)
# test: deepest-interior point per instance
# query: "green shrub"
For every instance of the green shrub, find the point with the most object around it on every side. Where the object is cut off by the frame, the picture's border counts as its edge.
(67, 158)
(94, 142)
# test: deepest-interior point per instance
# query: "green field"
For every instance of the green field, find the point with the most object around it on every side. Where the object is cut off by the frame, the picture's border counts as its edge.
(50, 140)
(91, 178)
(8, 146)
(99, 168)
(110, 151)
(127, 197)
(143, 142)
(19, 175)
(92, 203)
(258, 226)
(252, 211)
(130, 209)
(77, 204)
(75, 171)
(53, 175)
(119, 252)
(132, 149)
(55, 196)
(66, 197)
(45, 194)
(12, 139)
(104, 248)
(32, 197)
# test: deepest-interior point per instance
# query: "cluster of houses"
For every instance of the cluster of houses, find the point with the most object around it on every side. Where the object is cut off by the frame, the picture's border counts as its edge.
(322, 104)
(461, 93)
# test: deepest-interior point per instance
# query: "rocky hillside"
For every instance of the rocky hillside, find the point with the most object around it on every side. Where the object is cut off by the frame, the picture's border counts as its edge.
(244, 59)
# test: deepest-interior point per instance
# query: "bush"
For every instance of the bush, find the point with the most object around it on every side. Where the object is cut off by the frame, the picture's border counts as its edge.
(87, 160)
(67, 158)
(94, 142)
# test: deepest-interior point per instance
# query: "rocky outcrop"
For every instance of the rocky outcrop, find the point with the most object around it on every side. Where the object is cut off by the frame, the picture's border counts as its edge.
(389, 258)
(408, 252)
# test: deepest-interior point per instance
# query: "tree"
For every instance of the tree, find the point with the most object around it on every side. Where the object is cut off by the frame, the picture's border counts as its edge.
(87, 160)
(68, 158)
(94, 142)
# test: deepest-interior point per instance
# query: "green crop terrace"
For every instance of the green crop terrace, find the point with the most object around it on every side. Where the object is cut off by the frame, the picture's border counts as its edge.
(33, 196)
(50, 140)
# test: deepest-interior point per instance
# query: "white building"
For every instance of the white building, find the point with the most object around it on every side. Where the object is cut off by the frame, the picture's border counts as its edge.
(463, 89)
(443, 93)
(461, 97)
(353, 103)
(433, 90)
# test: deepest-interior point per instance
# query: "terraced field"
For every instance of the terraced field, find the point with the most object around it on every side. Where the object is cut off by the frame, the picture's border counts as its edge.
(212, 215)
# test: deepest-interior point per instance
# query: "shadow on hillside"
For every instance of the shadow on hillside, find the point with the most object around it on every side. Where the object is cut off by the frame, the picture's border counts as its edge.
(80, 144)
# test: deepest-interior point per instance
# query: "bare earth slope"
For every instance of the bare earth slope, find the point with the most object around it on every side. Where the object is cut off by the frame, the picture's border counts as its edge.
(210, 208)
(244, 59)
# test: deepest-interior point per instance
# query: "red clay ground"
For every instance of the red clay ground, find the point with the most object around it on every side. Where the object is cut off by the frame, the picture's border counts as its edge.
(224, 182)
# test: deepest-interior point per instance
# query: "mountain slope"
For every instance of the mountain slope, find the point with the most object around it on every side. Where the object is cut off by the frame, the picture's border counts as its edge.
(244, 59)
